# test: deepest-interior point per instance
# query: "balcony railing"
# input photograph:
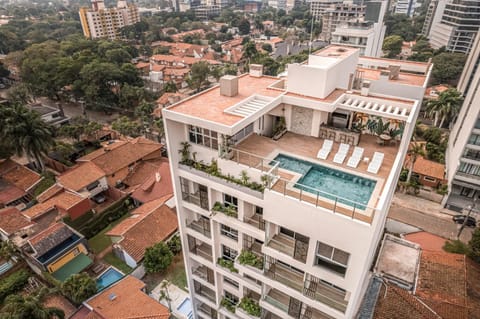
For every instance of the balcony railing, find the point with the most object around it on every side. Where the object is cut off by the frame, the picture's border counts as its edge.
(207, 311)
(205, 273)
(203, 291)
(289, 246)
(256, 221)
(277, 299)
(286, 276)
(201, 226)
(326, 294)
(203, 250)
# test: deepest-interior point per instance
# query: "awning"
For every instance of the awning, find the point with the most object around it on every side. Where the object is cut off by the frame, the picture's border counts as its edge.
(74, 266)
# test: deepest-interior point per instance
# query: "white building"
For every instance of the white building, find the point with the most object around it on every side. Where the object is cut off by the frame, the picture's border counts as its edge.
(101, 22)
(366, 36)
(463, 154)
(258, 218)
(405, 7)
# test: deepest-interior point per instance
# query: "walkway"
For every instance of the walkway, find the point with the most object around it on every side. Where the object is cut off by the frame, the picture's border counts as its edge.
(177, 297)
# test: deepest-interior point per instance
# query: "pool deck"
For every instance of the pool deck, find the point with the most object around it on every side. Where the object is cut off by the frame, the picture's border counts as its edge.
(307, 147)
(177, 296)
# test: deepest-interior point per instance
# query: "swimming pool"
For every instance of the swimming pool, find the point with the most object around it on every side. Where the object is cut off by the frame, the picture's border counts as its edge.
(185, 308)
(351, 189)
(108, 277)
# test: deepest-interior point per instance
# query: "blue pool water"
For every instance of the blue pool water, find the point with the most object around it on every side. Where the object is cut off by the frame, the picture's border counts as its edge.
(351, 189)
(108, 277)
(185, 308)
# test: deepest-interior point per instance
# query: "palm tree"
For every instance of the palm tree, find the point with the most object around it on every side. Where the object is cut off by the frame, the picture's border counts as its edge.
(31, 307)
(79, 287)
(249, 51)
(445, 107)
(414, 151)
(32, 136)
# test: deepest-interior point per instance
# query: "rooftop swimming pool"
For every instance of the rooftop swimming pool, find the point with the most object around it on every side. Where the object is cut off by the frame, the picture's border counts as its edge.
(108, 277)
(350, 189)
(185, 308)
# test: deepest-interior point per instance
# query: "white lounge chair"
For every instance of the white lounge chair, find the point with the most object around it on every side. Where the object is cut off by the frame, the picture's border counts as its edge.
(356, 157)
(376, 163)
(325, 150)
(341, 153)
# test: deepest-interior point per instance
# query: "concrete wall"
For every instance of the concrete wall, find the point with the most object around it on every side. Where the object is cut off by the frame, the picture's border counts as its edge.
(80, 209)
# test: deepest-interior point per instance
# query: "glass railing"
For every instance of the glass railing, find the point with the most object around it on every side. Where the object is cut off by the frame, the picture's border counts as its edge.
(276, 303)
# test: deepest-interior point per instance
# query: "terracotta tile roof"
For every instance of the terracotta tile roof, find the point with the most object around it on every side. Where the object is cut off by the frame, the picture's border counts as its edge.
(64, 200)
(50, 237)
(167, 97)
(111, 159)
(9, 192)
(126, 300)
(49, 193)
(154, 228)
(142, 65)
(80, 176)
(427, 241)
(137, 216)
(473, 289)
(176, 71)
(433, 91)
(426, 167)
(18, 175)
(178, 59)
(398, 303)
(210, 105)
(12, 220)
(158, 67)
(155, 184)
(110, 146)
(179, 36)
(60, 302)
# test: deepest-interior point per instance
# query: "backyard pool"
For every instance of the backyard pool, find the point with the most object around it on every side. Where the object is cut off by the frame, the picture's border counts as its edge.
(350, 189)
(108, 277)
(185, 308)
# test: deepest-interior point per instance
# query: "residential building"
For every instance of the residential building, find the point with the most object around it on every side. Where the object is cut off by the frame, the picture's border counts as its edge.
(50, 115)
(318, 7)
(148, 225)
(86, 179)
(126, 299)
(366, 36)
(463, 156)
(58, 250)
(17, 183)
(253, 222)
(167, 99)
(433, 16)
(11, 222)
(338, 14)
(457, 27)
(286, 5)
(427, 173)
(101, 22)
(406, 7)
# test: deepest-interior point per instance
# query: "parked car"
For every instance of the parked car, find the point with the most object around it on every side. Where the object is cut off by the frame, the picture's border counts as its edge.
(99, 198)
(460, 219)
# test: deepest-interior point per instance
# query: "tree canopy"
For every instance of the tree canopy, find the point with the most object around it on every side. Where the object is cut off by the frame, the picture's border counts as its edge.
(79, 287)
(157, 258)
(447, 67)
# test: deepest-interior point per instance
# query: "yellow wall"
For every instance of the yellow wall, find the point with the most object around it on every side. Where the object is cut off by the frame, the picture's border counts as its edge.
(67, 257)
(84, 22)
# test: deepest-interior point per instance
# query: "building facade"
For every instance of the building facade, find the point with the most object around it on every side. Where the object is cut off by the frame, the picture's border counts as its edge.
(405, 7)
(458, 26)
(101, 22)
(463, 154)
(366, 36)
(261, 236)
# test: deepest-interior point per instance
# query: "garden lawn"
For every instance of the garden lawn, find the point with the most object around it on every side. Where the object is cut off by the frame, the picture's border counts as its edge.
(113, 260)
(175, 273)
(100, 241)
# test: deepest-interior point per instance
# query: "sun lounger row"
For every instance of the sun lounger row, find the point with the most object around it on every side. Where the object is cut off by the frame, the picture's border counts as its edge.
(354, 159)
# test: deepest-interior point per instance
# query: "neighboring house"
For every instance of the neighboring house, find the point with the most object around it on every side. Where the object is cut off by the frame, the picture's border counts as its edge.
(433, 92)
(149, 224)
(182, 49)
(126, 299)
(195, 33)
(86, 179)
(58, 301)
(167, 99)
(118, 158)
(430, 173)
(50, 115)
(17, 183)
(58, 250)
(11, 222)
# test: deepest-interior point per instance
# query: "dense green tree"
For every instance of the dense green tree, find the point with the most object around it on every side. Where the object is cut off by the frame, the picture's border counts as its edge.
(4, 72)
(79, 287)
(446, 107)
(447, 67)
(32, 136)
(127, 127)
(29, 306)
(244, 27)
(267, 47)
(249, 51)
(392, 45)
(414, 151)
(78, 127)
(198, 76)
(474, 245)
(19, 93)
(144, 111)
(170, 87)
(157, 258)
(403, 26)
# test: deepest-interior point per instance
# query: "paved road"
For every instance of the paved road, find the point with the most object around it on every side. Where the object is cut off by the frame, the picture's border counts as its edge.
(441, 225)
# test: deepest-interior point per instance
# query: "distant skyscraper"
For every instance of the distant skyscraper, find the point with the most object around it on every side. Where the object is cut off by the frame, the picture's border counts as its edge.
(405, 7)
(101, 22)
(457, 27)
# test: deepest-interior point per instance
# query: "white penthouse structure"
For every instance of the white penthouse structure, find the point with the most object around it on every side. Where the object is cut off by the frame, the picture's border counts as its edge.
(364, 35)
(282, 191)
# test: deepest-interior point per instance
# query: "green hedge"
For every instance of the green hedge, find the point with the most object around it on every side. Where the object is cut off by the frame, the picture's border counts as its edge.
(13, 283)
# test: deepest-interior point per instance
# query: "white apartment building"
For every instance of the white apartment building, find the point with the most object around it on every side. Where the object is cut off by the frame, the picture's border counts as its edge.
(433, 15)
(266, 224)
(405, 7)
(463, 154)
(366, 36)
(101, 22)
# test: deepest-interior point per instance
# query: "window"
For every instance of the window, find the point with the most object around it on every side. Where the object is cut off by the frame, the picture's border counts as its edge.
(229, 232)
(92, 185)
(331, 258)
(194, 193)
(240, 135)
(203, 137)
(230, 297)
(229, 253)
(230, 282)
(429, 179)
(474, 139)
(230, 201)
(258, 210)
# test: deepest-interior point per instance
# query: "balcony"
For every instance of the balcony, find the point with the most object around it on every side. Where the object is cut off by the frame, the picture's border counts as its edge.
(292, 247)
(326, 294)
(201, 226)
(256, 221)
(205, 273)
(203, 291)
(200, 248)
(312, 313)
(252, 256)
(278, 299)
(207, 311)
(286, 276)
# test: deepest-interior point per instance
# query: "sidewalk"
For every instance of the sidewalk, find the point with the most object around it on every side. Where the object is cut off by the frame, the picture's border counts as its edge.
(422, 206)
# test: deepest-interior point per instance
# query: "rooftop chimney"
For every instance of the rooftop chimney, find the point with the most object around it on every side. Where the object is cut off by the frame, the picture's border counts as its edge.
(394, 71)
(229, 85)
(256, 70)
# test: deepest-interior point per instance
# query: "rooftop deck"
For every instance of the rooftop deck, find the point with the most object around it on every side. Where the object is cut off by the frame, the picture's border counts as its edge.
(306, 147)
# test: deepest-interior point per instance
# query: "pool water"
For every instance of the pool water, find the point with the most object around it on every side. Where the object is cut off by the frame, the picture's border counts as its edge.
(108, 277)
(185, 308)
(351, 189)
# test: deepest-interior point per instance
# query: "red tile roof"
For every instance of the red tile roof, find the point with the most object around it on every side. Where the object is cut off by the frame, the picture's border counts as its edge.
(154, 228)
(18, 175)
(49, 193)
(12, 220)
(9, 193)
(64, 200)
(81, 176)
(158, 183)
(126, 300)
(427, 168)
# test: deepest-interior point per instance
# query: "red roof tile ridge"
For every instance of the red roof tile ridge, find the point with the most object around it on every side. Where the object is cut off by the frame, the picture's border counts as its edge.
(416, 302)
